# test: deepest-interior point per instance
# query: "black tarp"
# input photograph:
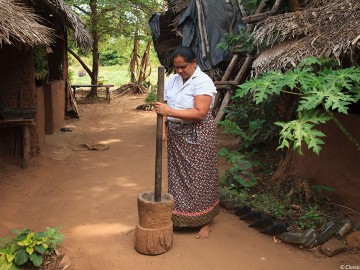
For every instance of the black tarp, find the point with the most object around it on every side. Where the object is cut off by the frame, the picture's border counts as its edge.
(220, 16)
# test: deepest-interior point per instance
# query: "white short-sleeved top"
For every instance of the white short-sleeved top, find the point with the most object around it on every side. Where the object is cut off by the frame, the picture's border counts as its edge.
(180, 96)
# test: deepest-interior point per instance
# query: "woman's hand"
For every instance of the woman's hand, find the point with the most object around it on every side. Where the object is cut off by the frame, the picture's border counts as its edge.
(162, 109)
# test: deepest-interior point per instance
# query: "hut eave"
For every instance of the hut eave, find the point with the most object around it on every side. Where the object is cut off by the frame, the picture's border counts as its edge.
(20, 24)
(331, 30)
(83, 38)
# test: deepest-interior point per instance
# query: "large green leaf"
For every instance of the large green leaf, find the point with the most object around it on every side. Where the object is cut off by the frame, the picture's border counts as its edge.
(246, 179)
(267, 84)
(321, 62)
(21, 257)
(40, 249)
(14, 267)
(4, 264)
(30, 250)
(36, 259)
(9, 257)
(302, 130)
(231, 128)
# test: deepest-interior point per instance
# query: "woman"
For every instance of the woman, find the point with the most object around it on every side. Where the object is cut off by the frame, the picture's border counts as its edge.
(190, 135)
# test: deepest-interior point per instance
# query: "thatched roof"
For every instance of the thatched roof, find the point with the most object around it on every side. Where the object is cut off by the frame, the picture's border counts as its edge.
(19, 23)
(82, 37)
(329, 30)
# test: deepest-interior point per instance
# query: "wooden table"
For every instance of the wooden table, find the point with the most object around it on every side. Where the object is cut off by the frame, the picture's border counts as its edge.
(24, 124)
(107, 86)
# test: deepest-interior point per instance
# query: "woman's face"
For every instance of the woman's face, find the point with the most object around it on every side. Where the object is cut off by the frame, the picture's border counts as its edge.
(183, 68)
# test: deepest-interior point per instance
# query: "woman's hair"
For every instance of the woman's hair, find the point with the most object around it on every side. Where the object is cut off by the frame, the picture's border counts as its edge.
(185, 52)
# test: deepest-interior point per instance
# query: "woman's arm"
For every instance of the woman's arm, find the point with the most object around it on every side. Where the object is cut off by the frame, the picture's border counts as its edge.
(201, 108)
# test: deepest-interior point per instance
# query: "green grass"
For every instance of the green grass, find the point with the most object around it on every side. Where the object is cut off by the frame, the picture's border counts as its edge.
(116, 75)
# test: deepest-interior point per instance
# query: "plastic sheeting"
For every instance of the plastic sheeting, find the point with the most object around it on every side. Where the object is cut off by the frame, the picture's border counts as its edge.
(154, 24)
(220, 17)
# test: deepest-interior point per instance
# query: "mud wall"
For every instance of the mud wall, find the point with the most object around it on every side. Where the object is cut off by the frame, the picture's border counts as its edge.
(54, 106)
(17, 90)
(338, 165)
(40, 117)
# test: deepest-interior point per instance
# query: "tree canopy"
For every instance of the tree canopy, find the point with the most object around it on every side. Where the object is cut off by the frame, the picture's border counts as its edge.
(109, 19)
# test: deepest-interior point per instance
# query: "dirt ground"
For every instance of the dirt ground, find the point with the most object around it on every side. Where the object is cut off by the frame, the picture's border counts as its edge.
(92, 195)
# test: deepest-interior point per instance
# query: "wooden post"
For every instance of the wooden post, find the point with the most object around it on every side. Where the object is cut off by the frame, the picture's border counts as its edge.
(26, 146)
(159, 133)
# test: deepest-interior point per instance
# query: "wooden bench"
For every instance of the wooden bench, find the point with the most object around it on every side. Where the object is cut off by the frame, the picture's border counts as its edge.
(24, 124)
(107, 86)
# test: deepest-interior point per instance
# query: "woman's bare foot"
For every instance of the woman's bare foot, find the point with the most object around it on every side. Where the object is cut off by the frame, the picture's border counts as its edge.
(204, 232)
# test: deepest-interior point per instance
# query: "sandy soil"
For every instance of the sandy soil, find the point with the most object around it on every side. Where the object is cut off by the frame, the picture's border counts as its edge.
(92, 195)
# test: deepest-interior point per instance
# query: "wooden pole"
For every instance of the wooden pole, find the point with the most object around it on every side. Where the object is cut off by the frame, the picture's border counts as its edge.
(159, 133)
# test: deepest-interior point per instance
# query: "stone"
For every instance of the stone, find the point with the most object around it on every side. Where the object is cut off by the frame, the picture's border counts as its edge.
(65, 263)
(333, 247)
(353, 240)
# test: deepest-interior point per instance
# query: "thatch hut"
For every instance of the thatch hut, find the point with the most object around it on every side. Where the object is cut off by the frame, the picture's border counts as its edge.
(25, 25)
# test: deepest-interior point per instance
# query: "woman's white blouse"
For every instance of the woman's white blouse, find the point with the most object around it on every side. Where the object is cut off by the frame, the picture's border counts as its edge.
(180, 96)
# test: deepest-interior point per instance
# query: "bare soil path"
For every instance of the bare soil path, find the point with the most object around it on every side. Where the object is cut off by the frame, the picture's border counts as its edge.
(92, 195)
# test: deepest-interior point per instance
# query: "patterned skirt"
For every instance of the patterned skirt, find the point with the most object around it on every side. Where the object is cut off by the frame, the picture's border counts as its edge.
(192, 171)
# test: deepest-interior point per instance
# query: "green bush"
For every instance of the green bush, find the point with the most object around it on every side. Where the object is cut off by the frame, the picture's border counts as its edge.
(112, 59)
(28, 247)
(151, 97)
(311, 217)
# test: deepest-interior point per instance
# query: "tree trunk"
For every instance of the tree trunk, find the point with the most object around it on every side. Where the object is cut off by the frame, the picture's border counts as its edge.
(144, 64)
(77, 57)
(134, 64)
(284, 169)
(95, 47)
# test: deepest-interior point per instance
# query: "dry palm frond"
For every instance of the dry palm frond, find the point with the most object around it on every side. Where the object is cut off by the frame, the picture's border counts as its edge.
(19, 23)
(316, 3)
(82, 36)
(178, 5)
(331, 30)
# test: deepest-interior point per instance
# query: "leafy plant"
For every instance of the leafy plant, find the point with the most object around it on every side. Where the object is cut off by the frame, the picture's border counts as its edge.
(7, 258)
(242, 42)
(151, 97)
(54, 237)
(311, 217)
(31, 247)
(28, 247)
(241, 174)
(302, 129)
(250, 5)
(246, 137)
(269, 205)
(71, 76)
(317, 84)
(320, 193)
